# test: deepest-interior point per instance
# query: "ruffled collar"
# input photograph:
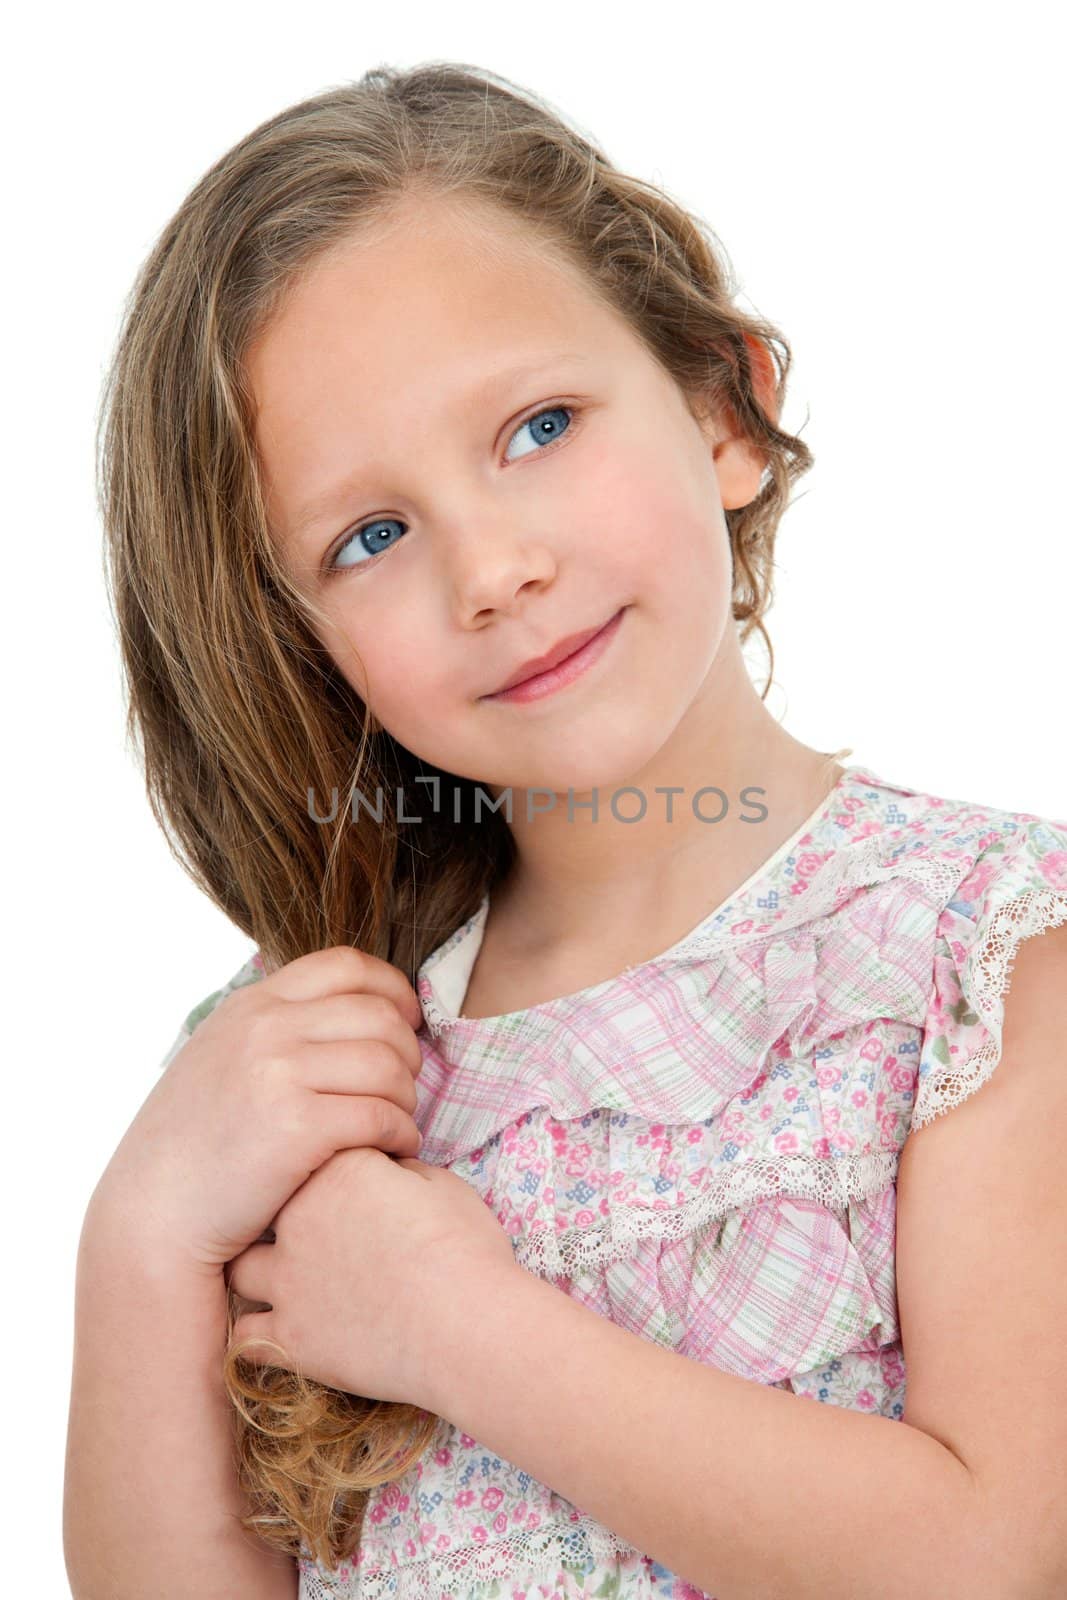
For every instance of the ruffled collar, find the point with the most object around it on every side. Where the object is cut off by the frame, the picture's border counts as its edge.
(444, 976)
(739, 985)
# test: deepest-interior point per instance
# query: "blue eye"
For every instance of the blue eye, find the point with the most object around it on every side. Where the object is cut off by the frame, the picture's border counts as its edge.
(546, 433)
(372, 543)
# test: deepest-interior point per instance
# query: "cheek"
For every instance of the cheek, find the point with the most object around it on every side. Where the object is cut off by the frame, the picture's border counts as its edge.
(659, 525)
(379, 661)
(339, 639)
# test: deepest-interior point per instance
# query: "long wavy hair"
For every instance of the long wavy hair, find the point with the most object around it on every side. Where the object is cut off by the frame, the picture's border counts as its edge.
(241, 715)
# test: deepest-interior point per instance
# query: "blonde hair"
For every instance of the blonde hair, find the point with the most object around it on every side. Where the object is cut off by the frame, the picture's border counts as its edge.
(241, 714)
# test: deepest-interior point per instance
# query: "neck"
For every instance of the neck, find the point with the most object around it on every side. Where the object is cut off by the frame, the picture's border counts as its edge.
(579, 870)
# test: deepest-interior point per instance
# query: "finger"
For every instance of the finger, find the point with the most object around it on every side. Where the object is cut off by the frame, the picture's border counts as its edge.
(369, 1068)
(250, 1274)
(342, 969)
(362, 1121)
(344, 1017)
(256, 1326)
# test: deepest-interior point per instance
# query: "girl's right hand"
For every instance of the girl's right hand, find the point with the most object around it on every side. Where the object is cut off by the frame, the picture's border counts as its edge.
(317, 1057)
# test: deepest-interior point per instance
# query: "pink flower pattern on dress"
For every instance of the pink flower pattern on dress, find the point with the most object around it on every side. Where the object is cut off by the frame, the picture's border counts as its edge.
(704, 1150)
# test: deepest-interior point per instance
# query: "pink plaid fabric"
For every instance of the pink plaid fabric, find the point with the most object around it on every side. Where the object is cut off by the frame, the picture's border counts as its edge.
(704, 1148)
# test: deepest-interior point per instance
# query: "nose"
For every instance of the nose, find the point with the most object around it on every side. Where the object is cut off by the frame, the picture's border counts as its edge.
(489, 565)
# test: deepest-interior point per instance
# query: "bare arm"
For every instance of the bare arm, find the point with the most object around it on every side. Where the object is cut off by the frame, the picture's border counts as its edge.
(747, 1491)
(151, 1481)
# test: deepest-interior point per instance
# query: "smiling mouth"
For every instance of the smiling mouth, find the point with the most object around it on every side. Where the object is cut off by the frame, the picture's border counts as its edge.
(549, 679)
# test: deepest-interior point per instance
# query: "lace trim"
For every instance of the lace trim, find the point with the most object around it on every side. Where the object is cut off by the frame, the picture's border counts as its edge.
(1027, 914)
(535, 1551)
(832, 1182)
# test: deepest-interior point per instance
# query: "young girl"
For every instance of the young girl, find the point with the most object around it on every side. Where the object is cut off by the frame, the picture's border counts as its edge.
(442, 484)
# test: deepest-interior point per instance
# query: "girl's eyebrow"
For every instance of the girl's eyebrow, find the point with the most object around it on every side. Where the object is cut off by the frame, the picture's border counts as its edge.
(331, 500)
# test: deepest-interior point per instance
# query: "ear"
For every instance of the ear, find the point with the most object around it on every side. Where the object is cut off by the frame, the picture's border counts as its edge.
(764, 376)
(738, 465)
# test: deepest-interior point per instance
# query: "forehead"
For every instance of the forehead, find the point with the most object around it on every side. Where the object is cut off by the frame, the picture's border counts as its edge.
(439, 279)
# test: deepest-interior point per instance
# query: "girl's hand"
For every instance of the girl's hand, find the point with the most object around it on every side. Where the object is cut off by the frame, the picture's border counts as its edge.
(317, 1057)
(374, 1261)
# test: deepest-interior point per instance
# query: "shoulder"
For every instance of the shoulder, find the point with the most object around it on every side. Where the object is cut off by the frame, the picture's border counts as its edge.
(1010, 885)
(981, 1215)
(250, 971)
(967, 856)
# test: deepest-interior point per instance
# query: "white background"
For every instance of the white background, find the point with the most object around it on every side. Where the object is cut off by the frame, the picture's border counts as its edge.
(885, 180)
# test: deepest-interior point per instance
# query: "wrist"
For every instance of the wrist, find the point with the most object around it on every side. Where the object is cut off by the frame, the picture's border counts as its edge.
(484, 1317)
(118, 1230)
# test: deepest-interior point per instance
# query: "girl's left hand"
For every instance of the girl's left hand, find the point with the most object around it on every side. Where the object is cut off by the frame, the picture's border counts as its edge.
(376, 1262)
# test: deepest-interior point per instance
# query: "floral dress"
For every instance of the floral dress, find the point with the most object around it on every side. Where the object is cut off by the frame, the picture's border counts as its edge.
(704, 1148)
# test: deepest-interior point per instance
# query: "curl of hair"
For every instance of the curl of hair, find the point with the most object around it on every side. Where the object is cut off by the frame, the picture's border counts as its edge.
(244, 723)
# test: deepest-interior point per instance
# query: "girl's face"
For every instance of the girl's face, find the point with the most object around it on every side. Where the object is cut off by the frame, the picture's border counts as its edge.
(468, 457)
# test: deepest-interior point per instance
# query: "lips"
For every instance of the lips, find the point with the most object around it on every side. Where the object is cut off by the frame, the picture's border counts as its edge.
(559, 652)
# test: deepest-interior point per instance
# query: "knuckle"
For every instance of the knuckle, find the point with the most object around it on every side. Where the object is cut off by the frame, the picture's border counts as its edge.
(400, 1070)
(379, 1057)
(409, 1095)
(382, 1010)
(268, 1073)
(290, 1120)
(357, 962)
(382, 1119)
(390, 1066)
(270, 1085)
